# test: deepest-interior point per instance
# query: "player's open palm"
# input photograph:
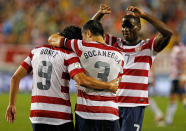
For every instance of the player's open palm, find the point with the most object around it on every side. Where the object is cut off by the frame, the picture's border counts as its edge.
(10, 113)
(104, 9)
(137, 11)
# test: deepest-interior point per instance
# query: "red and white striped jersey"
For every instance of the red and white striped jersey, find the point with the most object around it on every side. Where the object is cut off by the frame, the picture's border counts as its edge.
(52, 69)
(105, 63)
(133, 88)
(178, 57)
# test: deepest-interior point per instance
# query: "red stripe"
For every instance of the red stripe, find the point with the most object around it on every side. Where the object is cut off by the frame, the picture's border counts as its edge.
(135, 72)
(146, 46)
(113, 40)
(128, 99)
(51, 114)
(97, 109)
(76, 71)
(64, 89)
(143, 59)
(116, 45)
(61, 44)
(31, 55)
(133, 86)
(65, 76)
(94, 97)
(101, 46)
(50, 100)
(129, 50)
(107, 38)
(76, 47)
(72, 60)
(26, 66)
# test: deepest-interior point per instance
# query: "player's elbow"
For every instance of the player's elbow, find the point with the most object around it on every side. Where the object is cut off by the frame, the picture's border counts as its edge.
(15, 78)
(169, 33)
(83, 82)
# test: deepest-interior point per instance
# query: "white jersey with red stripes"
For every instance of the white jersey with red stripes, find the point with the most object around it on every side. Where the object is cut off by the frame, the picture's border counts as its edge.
(105, 63)
(52, 69)
(178, 57)
(133, 88)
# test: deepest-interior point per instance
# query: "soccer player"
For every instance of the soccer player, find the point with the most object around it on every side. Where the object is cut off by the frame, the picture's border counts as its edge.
(152, 103)
(132, 94)
(52, 67)
(96, 110)
(178, 58)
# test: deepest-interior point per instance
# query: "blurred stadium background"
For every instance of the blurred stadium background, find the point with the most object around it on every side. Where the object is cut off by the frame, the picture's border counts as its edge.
(25, 24)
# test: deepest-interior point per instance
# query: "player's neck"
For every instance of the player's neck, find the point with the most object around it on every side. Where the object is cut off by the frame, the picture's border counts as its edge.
(132, 43)
(98, 39)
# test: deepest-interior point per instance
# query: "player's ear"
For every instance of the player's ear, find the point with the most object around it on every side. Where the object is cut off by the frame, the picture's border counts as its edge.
(89, 33)
(139, 27)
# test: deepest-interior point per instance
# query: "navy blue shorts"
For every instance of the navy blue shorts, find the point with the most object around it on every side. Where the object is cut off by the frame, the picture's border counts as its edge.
(131, 118)
(175, 87)
(45, 127)
(96, 125)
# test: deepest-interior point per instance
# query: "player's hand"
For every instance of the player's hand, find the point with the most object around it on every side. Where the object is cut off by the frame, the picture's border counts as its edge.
(10, 113)
(137, 11)
(104, 9)
(114, 85)
(54, 40)
(77, 85)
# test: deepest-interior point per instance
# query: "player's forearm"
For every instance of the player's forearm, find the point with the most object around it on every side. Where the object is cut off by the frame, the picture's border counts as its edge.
(14, 86)
(160, 26)
(90, 82)
(98, 16)
(95, 84)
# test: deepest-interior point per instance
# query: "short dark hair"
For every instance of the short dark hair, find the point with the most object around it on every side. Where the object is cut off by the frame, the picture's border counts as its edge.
(72, 32)
(137, 19)
(94, 26)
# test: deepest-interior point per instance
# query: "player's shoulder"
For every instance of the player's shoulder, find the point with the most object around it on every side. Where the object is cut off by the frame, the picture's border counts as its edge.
(66, 51)
(147, 41)
(113, 48)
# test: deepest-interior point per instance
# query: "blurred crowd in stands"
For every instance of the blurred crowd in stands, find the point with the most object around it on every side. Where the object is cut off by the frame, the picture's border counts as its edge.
(32, 21)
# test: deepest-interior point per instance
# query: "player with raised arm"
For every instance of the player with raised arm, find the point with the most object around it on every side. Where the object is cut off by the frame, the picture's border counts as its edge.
(52, 68)
(96, 110)
(132, 94)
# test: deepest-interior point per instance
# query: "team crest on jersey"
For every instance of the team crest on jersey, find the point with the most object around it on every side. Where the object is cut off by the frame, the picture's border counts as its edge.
(137, 49)
(77, 65)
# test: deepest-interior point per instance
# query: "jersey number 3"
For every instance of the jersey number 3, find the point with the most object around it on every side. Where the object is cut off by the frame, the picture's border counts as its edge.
(46, 75)
(103, 76)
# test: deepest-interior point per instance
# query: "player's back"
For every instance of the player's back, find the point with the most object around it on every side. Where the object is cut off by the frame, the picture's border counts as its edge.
(50, 103)
(104, 63)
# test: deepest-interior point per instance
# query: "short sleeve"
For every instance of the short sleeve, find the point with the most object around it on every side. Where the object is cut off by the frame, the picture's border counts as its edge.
(27, 62)
(73, 64)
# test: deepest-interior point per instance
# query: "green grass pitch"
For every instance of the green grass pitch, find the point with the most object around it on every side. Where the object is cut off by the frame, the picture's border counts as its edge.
(22, 122)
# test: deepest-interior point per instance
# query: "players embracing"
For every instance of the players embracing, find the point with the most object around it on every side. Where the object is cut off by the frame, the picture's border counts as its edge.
(132, 94)
(98, 109)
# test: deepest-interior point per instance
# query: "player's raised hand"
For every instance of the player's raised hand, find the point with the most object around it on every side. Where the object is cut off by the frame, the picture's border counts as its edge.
(114, 85)
(54, 40)
(137, 11)
(10, 115)
(104, 9)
